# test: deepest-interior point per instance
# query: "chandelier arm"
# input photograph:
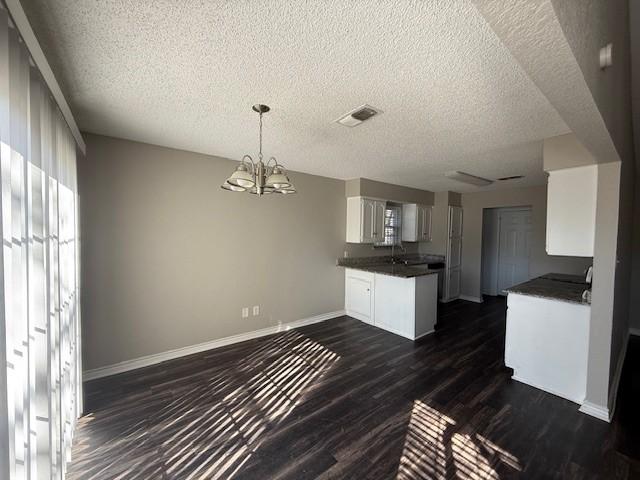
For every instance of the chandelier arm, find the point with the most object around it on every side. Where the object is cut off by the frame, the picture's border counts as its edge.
(250, 163)
(275, 162)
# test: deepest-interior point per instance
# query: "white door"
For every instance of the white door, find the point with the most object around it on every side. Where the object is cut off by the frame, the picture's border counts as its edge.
(515, 247)
(454, 254)
(367, 220)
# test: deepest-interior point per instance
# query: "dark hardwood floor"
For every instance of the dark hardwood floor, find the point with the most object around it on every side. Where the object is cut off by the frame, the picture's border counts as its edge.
(341, 399)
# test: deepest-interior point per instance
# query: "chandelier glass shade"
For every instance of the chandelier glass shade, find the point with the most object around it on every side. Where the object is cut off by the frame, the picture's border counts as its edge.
(259, 178)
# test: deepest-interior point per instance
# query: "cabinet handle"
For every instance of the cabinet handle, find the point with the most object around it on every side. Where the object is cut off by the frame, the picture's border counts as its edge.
(367, 289)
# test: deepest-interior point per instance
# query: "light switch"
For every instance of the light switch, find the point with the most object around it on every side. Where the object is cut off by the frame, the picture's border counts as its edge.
(256, 310)
(245, 312)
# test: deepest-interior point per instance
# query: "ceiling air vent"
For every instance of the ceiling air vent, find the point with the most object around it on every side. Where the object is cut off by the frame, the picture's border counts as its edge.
(512, 177)
(468, 178)
(357, 116)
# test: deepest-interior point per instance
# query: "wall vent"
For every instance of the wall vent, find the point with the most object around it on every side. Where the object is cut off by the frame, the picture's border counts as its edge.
(358, 115)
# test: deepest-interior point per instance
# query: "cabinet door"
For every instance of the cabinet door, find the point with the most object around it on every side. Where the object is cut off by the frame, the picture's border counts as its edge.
(410, 222)
(426, 232)
(453, 283)
(358, 298)
(571, 211)
(455, 222)
(378, 221)
(424, 226)
(367, 224)
(419, 223)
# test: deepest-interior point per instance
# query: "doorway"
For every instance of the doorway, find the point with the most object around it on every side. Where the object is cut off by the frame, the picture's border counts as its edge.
(506, 248)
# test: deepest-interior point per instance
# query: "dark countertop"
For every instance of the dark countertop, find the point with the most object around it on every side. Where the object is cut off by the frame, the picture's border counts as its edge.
(397, 270)
(555, 286)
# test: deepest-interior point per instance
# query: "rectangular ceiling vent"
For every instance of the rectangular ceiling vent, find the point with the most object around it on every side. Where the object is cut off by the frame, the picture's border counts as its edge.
(357, 116)
(468, 178)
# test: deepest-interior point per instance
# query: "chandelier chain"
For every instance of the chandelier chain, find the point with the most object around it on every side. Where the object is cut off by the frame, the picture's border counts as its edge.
(260, 153)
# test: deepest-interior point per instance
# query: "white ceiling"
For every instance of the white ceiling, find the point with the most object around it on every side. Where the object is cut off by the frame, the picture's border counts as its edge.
(184, 74)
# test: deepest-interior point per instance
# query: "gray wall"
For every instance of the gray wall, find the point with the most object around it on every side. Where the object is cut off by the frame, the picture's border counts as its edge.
(169, 258)
(634, 21)
(473, 205)
(589, 25)
(363, 187)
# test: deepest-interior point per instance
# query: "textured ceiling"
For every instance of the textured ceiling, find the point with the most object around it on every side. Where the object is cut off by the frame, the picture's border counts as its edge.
(184, 74)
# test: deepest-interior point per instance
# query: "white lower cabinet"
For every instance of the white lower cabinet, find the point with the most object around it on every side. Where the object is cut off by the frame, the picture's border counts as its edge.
(404, 306)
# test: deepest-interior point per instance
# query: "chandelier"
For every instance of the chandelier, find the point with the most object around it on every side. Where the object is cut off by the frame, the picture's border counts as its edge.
(258, 177)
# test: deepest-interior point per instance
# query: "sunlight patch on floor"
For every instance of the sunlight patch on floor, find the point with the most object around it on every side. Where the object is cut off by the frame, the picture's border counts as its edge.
(434, 450)
(212, 430)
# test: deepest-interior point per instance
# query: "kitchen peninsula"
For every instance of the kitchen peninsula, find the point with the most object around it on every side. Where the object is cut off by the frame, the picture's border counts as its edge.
(398, 294)
(547, 334)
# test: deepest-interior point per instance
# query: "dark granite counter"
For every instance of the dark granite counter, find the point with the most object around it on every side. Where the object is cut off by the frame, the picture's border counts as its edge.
(398, 270)
(405, 266)
(555, 286)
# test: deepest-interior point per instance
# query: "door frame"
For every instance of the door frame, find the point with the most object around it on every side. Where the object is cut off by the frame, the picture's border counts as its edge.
(496, 254)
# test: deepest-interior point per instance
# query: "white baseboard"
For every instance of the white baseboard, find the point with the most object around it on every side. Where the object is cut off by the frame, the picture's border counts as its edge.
(634, 331)
(545, 389)
(596, 411)
(471, 298)
(201, 347)
(606, 413)
(613, 392)
(424, 334)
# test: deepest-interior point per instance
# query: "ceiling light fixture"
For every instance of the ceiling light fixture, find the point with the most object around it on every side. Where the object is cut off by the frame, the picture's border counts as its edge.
(259, 178)
(468, 178)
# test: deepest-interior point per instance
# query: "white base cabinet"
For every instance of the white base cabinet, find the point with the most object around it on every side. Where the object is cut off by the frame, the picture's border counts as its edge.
(404, 306)
(547, 344)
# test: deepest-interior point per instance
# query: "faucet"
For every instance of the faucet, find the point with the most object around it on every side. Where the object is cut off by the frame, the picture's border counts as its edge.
(393, 259)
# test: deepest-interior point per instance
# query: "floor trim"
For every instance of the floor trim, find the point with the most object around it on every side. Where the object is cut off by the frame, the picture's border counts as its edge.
(596, 411)
(613, 393)
(471, 298)
(201, 347)
(579, 401)
(604, 413)
(424, 334)
(634, 331)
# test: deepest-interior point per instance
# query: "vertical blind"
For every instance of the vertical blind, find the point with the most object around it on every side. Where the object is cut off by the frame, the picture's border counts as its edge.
(40, 375)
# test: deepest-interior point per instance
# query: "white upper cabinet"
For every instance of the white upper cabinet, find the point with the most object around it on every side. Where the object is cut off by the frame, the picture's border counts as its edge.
(416, 223)
(365, 220)
(571, 211)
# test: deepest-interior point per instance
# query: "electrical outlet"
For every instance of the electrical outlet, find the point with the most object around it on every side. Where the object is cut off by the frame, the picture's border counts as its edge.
(245, 312)
(256, 310)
